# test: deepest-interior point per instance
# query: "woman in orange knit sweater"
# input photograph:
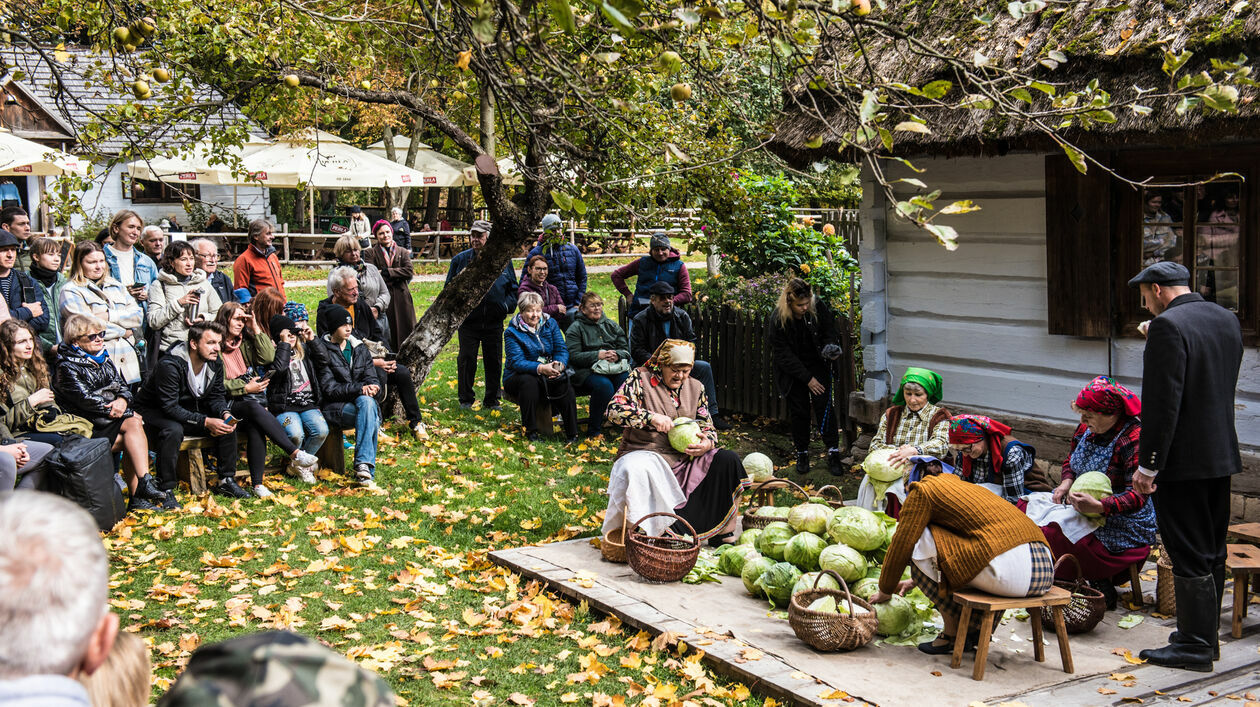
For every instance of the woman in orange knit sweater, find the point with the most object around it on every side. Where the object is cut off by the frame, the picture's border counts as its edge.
(954, 534)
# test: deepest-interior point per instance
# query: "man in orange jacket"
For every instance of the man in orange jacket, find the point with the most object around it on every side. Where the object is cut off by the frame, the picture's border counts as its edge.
(258, 267)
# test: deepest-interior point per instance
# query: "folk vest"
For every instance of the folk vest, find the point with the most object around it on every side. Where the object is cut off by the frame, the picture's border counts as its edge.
(657, 399)
(894, 418)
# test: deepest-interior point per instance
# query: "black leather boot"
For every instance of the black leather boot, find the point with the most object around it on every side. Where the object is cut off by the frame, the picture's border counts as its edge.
(835, 465)
(802, 463)
(148, 489)
(1198, 615)
(1218, 580)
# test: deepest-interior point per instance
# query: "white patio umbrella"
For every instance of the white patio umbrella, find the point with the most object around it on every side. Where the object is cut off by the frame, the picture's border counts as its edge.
(21, 157)
(192, 167)
(321, 160)
(439, 170)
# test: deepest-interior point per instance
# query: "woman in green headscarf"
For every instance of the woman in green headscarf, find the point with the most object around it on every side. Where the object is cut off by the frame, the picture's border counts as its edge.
(915, 425)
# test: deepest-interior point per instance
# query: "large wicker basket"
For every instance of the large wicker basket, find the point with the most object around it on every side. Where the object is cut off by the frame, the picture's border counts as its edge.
(827, 631)
(1086, 608)
(763, 492)
(1165, 591)
(664, 558)
(613, 545)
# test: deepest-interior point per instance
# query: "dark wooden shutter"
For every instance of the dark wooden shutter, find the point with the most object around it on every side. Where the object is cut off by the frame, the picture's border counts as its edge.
(1078, 249)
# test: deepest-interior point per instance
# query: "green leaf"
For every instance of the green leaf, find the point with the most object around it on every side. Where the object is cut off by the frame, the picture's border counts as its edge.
(688, 16)
(1045, 88)
(483, 25)
(870, 106)
(563, 15)
(965, 206)
(579, 206)
(617, 18)
(936, 89)
(814, 142)
(945, 235)
(1057, 55)
(913, 182)
(1021, 94)
(1221, 97)
(1174, 62)
(885, 136)
(564, 201)
(1076, 156)
(607, 57)
(1103, 116)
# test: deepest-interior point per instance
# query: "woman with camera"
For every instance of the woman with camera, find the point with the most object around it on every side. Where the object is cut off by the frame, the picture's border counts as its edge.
(246, 349)
(92, 291)
(536, 369)
(179, 296)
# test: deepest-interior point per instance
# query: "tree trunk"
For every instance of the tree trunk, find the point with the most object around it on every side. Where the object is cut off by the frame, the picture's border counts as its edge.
(487, 120)
(432, 200)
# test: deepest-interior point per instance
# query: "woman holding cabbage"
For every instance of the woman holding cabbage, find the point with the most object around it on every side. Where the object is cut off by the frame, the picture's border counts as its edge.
(661, 468)
(1114, 525)
(915, 426)
(954, 534)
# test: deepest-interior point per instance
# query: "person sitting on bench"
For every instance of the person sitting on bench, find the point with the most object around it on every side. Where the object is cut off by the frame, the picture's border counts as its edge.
(185, 396)
(349, 388)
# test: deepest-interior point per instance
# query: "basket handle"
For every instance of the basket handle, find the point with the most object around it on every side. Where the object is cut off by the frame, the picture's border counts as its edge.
(1065, 556)
(694, 539)
(830, 490)
(843, 585)
(775, 484)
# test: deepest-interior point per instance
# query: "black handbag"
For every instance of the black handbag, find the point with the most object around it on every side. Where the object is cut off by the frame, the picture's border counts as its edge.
(558, 388)
(82, 470)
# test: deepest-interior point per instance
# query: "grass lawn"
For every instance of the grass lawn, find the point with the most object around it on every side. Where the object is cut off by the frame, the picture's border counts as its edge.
(299, 273)
(398, 579)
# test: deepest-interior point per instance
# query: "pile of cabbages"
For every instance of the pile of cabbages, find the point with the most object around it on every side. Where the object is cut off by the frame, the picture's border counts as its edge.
(782, 559)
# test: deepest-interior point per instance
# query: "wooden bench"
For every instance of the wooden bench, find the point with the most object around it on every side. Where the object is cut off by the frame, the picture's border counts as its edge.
(545, 418)
(1243, 562)
(191, 466)
(988, 604)
(1248, 532)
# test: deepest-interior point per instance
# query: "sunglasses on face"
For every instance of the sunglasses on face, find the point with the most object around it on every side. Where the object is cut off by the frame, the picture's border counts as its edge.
(98, 336)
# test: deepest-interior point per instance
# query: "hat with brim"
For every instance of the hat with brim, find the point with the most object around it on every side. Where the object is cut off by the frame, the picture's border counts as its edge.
(7, 240)
(1163, 273)
(662, 289)
(480, 225)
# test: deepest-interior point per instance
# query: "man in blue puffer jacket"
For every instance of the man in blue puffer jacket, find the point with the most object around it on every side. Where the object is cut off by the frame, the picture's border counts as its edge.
(566, 269)
(483, 328)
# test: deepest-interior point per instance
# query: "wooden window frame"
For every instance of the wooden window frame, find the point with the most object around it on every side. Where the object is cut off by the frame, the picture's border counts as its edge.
(1163, 166)
(167, 193)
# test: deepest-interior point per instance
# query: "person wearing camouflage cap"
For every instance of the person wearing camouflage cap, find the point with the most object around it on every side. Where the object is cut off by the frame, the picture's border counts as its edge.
(275, 668)
(483, 327)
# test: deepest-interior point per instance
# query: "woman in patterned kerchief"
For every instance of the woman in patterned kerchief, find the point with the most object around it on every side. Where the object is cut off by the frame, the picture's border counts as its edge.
(1106, 441)
(988, 455)
(702, 484)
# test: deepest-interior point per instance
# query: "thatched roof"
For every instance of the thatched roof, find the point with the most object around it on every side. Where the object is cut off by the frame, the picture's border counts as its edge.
(1119, 43)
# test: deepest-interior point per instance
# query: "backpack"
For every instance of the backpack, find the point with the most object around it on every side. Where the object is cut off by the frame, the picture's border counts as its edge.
(82, 470)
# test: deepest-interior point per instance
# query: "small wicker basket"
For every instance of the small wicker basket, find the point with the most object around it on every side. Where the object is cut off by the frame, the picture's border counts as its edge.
(665, 558)
(613, 545)
(1086, 608)
(1165, 591)
(827, 631)
(763, 492)
(835, 498)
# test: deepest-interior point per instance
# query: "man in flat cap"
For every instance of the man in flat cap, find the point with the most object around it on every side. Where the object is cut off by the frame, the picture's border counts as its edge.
(1188, 450)
(483, 328)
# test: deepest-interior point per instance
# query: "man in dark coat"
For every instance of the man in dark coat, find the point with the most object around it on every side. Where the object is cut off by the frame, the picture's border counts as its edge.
(661, 321)
(390, 372)
(1189, 450)
(483, 328)
(22, 298)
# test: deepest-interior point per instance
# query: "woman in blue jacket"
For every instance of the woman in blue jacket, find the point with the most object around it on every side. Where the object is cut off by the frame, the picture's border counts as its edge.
(537, 366)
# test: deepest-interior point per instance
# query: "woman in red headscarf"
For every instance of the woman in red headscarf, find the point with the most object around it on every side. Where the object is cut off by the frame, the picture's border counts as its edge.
(1106, 441)
(987, 454)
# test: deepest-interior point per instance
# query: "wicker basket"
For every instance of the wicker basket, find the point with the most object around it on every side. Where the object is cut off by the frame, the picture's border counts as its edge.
(764, 492)
(665, 558)
(833, 496)
(613, 545)
(1086, 608)
(1165, 591)
(826, 631)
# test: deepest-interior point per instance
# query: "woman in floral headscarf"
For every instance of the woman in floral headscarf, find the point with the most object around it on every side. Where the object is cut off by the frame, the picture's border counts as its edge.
(702, 484)
(988, 455)
(1106, 441)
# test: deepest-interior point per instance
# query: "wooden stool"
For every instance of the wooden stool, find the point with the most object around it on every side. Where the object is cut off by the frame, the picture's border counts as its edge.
(1242, 561)
(1248, 532)
(970, 599)
(1135, 581)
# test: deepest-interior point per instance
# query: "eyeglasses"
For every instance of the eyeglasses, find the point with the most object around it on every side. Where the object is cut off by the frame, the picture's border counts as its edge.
(98, 336)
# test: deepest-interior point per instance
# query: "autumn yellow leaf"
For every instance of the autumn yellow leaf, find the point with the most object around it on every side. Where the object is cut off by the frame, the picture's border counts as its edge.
(531, 524)
(569, 697)
(517, 698)
(833, 695)
(462, 64)
(1106, 691)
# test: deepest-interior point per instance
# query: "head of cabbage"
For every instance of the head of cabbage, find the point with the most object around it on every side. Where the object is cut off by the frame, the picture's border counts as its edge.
(865, 587)
(895, 616)
(803, 550)
(806, 582)
(809, 517)
(844, 561)
(731, 562)
(759, 467)
(877, 466)
(777, 583)
(858, 528)
(753, 567)
(749, 537)
(1094, 483)
(774, 539)
(684, 433)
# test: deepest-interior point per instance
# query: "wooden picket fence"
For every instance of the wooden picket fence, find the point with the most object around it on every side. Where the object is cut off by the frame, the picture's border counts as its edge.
(735, 344)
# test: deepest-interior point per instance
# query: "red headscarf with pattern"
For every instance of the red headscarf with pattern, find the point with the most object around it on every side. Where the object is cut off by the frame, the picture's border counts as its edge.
(1105, 396)
(969, 429)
